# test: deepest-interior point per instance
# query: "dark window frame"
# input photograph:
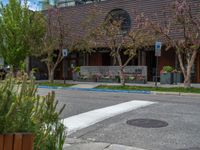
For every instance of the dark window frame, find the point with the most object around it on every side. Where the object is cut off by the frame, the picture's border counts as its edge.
(120, 14)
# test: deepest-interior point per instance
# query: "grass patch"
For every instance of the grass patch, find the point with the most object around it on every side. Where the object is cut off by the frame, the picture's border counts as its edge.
(160, 89)
(54, 84)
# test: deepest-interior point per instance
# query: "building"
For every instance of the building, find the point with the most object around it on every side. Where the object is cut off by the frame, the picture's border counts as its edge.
(76, 10)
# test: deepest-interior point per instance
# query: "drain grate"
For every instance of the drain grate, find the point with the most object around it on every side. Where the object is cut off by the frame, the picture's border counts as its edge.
(147, 123)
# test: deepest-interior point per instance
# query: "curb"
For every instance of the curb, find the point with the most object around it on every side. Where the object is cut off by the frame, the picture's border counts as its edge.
(98, 146)
(119, 91)
(90, 144)
(97, 90)
(174, 93)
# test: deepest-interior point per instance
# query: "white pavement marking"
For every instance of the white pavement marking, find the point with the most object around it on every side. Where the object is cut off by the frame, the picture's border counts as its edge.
(87, 119)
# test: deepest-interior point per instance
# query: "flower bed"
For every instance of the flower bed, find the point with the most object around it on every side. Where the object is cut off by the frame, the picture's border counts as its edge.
(111, 74)
(87, 78)
(131, 78)
(108, 80)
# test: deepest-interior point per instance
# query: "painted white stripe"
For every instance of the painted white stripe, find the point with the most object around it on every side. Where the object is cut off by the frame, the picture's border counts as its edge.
(87, 119)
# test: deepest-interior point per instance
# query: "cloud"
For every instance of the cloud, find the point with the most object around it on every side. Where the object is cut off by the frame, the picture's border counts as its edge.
(33, 4)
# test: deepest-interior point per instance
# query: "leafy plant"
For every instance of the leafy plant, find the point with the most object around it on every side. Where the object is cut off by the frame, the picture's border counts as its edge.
(77, 69)
(20, 30)
(167, 69)
(51, 133)
(131, 78)
(22, 110)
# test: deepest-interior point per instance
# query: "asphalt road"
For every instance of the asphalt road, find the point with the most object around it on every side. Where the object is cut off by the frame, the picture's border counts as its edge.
(181, 113)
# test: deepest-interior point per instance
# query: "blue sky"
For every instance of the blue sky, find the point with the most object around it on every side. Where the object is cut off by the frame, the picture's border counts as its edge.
(33, 4)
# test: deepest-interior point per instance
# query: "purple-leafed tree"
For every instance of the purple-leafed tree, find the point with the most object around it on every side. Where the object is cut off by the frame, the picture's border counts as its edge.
(117, 36)
(122, 43)
(54, 40)
(184, 20)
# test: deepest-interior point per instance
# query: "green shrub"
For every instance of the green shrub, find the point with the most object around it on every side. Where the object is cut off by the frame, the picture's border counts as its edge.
(22, 110)
(168, 69)
(77, 69)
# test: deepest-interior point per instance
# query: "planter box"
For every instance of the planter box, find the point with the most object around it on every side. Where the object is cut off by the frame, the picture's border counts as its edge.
(177, 78)
(108, 80)
(75, 76)
(166, 78)
(17, 141)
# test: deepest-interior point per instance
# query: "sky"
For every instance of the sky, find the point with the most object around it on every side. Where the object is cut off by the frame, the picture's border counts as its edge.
(33, 4)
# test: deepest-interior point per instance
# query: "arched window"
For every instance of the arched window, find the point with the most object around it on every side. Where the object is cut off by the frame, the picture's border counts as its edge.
(120, 15)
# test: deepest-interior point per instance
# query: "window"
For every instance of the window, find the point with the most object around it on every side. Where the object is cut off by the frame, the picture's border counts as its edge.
(65, 3)
(120, 15)
(45, 4)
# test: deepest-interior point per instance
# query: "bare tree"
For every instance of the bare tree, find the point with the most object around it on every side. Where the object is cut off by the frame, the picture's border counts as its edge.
(54, 41)
(124, 43)
(185, 22)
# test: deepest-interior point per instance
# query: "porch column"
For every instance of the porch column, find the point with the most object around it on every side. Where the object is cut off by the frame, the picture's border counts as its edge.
(139, 58)
(143, 61)
(86, 60)
(142, 58)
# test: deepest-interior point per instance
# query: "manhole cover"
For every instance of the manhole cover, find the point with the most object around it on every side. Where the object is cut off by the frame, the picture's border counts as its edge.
(147, 123)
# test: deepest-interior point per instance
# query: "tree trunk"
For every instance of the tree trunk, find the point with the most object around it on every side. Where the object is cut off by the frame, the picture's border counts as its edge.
(121, 70)
(187, 81)
(51, 76)
(187, 71)
(122, 76)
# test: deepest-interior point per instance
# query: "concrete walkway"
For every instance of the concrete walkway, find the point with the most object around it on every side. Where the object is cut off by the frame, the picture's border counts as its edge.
(77, 144)
(85, 85)
(94, 84)
(90, 86)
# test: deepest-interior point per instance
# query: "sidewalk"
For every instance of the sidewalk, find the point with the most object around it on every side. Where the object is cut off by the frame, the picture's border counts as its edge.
(94, 84)
(85, 85)
(90, 86)
(77, 144)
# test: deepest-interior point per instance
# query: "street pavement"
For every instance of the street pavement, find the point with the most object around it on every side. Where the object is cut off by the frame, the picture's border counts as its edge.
(181, 115)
